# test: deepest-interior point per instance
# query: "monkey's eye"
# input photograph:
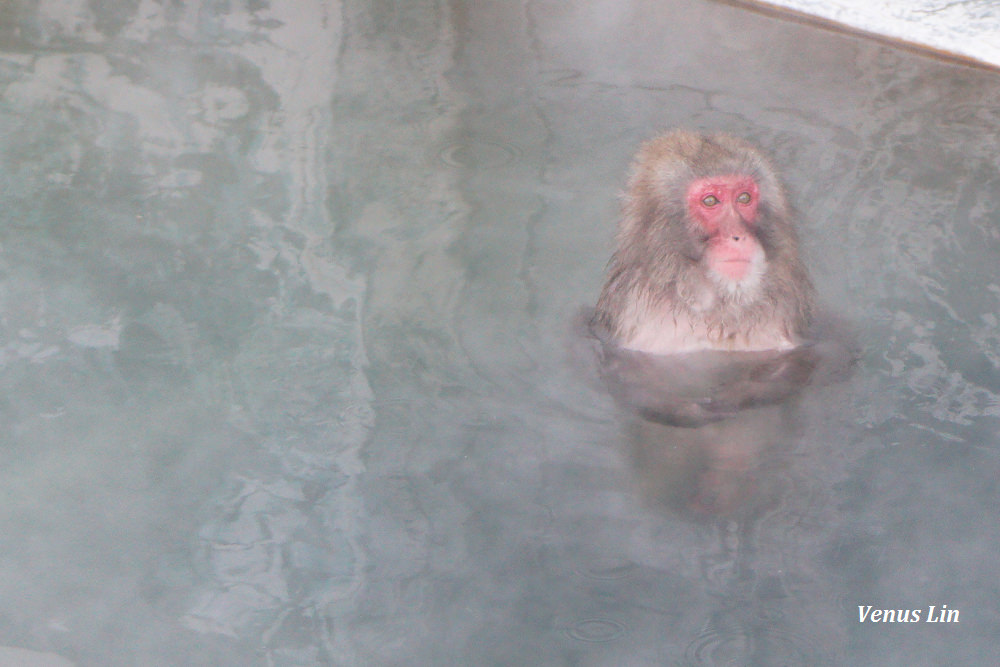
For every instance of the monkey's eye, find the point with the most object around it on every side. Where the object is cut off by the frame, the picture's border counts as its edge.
(744, 198)
(710, 200)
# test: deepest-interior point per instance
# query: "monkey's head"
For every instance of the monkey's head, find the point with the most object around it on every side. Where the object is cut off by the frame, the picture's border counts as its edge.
(715, 202)
(707, 255)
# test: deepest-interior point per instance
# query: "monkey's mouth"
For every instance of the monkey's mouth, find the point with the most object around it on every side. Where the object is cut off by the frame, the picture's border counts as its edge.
(738, 274)
(736, 268)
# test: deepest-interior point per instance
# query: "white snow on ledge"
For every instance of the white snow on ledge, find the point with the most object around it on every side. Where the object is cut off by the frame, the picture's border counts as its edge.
(969, 28)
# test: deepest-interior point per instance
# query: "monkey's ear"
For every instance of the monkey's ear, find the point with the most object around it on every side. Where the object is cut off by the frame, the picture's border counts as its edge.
(639, 211)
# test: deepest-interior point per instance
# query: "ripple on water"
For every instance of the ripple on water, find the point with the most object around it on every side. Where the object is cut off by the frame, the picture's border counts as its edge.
(478, 153)
(714, 648)
(607, 569)
(596, 630)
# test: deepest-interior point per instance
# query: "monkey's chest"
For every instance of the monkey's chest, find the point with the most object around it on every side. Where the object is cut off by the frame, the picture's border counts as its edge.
(672, 333)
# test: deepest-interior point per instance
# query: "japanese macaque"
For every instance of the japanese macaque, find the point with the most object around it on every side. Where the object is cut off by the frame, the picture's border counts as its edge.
(707, 257)
(707, 325)
(707, 309)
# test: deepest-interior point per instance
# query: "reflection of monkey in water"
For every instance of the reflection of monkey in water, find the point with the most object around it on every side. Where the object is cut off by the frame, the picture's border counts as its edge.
(707, 311)
(726, 468)
(705, 421)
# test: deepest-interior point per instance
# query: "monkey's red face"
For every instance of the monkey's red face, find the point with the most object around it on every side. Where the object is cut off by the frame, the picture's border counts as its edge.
(725, 210)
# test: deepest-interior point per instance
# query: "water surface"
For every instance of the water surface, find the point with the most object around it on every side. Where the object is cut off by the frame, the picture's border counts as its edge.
(288, 369)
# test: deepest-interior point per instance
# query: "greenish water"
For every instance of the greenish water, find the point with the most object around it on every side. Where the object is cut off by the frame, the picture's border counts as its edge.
(288, 370)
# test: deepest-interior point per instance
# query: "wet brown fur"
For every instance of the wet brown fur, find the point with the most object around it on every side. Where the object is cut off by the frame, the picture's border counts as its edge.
(658, 265)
